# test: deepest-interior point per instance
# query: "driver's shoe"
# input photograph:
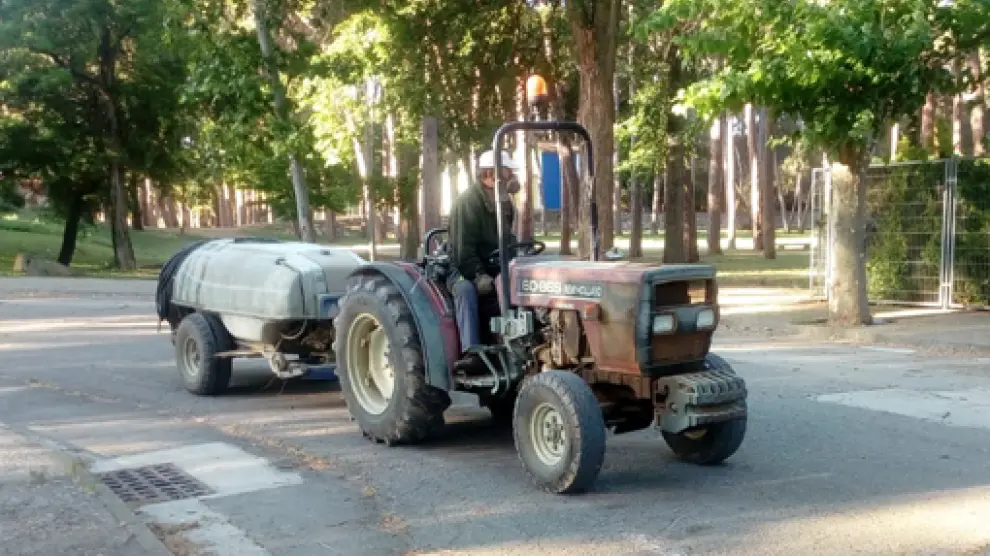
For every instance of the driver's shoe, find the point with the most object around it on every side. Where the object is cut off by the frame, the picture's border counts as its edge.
(471, 365)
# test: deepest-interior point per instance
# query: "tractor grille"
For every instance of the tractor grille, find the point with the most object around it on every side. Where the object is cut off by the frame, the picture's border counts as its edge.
(677, 348)
(674, 294)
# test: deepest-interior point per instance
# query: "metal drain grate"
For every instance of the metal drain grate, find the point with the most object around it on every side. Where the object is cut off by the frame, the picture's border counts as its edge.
(153, 484)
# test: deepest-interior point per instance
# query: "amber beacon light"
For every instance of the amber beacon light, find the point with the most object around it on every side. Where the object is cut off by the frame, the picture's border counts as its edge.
(536, 92)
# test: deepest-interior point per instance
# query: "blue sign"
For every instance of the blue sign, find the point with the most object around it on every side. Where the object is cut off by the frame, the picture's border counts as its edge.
(550, 180)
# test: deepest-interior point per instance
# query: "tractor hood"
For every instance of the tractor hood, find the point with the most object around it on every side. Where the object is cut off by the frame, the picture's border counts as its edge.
(600, 273)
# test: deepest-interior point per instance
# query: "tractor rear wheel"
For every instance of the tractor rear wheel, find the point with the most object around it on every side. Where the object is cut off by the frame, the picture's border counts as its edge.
(559, 432)
(380, 365)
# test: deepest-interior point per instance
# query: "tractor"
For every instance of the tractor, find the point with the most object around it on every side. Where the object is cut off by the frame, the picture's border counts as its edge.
(574, 348)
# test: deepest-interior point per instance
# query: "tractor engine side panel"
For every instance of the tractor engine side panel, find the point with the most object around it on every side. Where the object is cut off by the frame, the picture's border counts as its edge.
(606, 306)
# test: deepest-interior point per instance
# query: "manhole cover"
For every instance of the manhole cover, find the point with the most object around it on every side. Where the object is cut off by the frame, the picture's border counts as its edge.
(153, 484)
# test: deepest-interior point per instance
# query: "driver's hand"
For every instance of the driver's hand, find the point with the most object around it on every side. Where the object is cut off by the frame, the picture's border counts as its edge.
(484, 283)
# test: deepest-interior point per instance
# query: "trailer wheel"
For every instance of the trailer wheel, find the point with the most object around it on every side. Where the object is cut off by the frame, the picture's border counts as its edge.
(380, 365)
(559, 432)
(198, 339)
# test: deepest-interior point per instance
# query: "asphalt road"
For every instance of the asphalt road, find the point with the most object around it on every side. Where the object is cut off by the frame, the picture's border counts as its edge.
(850, 450)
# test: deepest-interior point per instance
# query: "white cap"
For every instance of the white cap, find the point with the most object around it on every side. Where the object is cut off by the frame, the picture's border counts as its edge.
(487, 160)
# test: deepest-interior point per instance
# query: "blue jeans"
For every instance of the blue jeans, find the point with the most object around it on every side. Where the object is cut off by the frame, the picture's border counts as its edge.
(467, 315)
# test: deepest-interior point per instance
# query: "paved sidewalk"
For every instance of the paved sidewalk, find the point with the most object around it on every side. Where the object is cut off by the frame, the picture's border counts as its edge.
(51, 506)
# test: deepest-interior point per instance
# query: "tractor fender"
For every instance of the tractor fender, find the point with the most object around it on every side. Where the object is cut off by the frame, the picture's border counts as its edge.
(432, 313)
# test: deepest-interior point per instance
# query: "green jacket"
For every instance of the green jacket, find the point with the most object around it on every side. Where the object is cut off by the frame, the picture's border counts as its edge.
(473, 231)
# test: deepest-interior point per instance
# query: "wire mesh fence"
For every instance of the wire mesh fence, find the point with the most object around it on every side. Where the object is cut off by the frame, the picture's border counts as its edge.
(904, 234)
(970, 254)
(927, 234)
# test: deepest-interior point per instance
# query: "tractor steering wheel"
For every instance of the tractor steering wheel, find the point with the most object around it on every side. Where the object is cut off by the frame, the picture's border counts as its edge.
(529, 248)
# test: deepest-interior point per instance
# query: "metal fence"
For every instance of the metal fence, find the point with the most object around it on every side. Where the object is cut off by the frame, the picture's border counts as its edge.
(927, 237)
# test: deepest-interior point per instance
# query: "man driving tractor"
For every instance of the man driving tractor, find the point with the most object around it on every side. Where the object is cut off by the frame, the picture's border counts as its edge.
(473, 230)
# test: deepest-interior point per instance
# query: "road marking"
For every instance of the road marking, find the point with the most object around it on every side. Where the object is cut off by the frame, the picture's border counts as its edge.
(959, 408)
(904, 351)
(225, 468)
(200, 525)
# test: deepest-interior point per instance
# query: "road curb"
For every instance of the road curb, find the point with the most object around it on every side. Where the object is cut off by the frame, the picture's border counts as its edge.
(877, 335)
(77, 468)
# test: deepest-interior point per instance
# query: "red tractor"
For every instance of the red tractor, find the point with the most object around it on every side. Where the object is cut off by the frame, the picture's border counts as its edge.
(575, 348)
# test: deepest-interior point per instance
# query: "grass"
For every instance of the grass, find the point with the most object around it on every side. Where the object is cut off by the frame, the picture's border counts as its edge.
(94, 252)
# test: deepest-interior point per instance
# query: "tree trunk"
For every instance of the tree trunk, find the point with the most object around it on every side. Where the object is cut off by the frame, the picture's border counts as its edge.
(752, 143)
(958, 111)
(134, 192)
(729, 190)
(432, 196)
(799, 204)
(595, 29)
(657, 205)
(848, 304)
(616, 182)
(768, 228)
(635, 187)
(716, 189)
(690, 217)
(636, 218)
(165, 207)
(331, 223)
(123, 250)
(569, 185)
(928, 124)
(674, 174)
(282, 112)
(71, 231)
(524, 146)
(978, 117)
(673, 204)
(186, 218)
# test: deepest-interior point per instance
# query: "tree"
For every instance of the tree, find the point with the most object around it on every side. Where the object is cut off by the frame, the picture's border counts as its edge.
(595, 28)
(263, 18)
(845, 69)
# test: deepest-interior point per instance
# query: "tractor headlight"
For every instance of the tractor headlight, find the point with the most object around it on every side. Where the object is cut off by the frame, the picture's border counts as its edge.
(706, 319)
(664, 324)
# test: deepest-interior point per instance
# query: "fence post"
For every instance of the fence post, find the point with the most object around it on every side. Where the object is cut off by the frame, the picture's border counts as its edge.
(947, 267)
(829, 228)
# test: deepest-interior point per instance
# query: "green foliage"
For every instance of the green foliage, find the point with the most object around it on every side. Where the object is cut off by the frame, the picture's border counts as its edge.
(845, 68)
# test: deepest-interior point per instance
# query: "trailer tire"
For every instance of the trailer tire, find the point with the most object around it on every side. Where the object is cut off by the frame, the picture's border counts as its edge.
(198, 338)
(386, 392)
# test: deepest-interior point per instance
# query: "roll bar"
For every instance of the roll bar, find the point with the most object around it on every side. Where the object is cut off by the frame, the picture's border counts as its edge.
(503, 252)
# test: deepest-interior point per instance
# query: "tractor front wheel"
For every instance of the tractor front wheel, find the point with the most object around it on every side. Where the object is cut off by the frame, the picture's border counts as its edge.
(709, 445)
(559, 432)
(380, 365)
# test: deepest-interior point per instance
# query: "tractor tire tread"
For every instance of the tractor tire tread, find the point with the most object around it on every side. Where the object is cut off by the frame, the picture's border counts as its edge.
(422, 413)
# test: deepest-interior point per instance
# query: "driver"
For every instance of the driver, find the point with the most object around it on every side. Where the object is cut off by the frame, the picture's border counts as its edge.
(473, 230)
